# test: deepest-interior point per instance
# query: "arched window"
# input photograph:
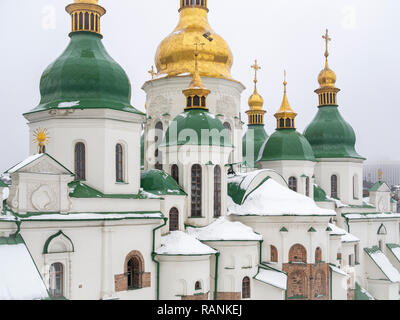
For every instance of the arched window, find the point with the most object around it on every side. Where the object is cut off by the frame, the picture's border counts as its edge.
(80, 159)
(298, 254)
(86, 21)
(80, 21)
(228, 127)
(175, 173)
(308, 187)
(196, 101)
(293, 184)
(196, 207)
(159, 132)
(334, 186)
(217, 191)
(197, 286)
(288, 123)
(119, 163)
(56, 280)
(189, 101)
(134, 272)
(92, 21)
(203, 101)
(281, 123)
(318, 255)
(76, 22)
(355, 187)
(246, 288)
(274, 254)
(174, 219)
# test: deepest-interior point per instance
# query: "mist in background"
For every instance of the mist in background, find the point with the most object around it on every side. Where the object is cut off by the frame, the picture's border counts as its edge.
(280, 34)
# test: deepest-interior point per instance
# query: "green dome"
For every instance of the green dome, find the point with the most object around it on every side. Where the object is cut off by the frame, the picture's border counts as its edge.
(160, 183)
(260, 136)
(84, 77)
(198, 121)
(287, 144)
(331, 136)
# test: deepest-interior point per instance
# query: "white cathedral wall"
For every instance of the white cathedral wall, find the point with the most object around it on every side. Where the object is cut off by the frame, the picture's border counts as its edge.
(339, 286)
(169, 202)
(263, 291)
(179, 274)
(99, 255)
(269, 227)
(185, 157)
(100, 130)
(298, 169)
(237, 260)
(345, 171)
(383, 290)
(165, 100)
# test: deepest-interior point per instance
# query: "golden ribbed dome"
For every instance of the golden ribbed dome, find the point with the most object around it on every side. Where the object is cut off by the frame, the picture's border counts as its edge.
(327, 78)
(256, 102)
(87, 1)
(175, 53)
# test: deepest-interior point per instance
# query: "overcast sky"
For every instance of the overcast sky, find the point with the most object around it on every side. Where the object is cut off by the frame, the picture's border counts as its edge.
(281, 34)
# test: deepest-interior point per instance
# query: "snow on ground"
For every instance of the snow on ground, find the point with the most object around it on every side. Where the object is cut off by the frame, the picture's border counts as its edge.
(19, 278)
(223, 229)
(180, 243)
(346, 237)
(384, 264)
(25, 163)
(273, 199)
(272, 277)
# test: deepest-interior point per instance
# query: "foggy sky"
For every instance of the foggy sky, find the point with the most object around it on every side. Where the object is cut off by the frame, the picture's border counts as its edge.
(281, 34)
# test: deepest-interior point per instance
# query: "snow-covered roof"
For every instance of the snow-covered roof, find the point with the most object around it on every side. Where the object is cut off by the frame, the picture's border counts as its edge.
(358, 216)
(339, 271)
(180, 243)
(383, 263)
(19, 277)
(224, 230)
(346, 237)
(32, 159)
(272, 277)
(395, 249)
(273, 199)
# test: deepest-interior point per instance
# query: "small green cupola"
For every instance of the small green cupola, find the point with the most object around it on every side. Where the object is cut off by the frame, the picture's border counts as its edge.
(256, 135)
(329, 134)
(286, 143)
(85, 76)
(196, 125)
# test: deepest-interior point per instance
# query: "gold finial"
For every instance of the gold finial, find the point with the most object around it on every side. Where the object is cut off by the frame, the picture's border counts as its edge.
(327, 39)
(380, 174)
(256, 102)
(256, 67)
(151, 71)
(285, 115)
(41, 138)
(196, 94)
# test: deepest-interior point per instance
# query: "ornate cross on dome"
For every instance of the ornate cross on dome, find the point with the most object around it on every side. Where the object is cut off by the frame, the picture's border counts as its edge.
(256, 67)
(327, 39)
(284, 81)
(152, 72)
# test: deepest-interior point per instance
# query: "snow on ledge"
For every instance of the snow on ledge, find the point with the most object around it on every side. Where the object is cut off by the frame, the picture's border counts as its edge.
(384, 264)
(273, 199)
(224, 230)
(273, 278)
(337, 270)
(180, 243)
(346, 237)
(25, 162)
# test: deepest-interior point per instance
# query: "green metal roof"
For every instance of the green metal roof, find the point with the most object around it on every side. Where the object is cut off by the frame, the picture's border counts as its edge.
(376, 186)
(259, 138)
(320, 194)
(85, 77)
(160, 183)
(3, 185)
(359, 293)
(287, 144)
(200, 122)
(11, 240)
(331, 136)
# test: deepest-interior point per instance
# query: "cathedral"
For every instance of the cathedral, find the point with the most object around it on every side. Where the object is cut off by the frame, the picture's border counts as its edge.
(186, 201)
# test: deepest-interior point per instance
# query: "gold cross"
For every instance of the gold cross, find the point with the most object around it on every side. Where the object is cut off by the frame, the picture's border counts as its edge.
(327, 39)
(256, 67)
(152, 72)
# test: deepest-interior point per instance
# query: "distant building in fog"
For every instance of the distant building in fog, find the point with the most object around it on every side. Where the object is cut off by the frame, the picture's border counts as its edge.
(390, 172)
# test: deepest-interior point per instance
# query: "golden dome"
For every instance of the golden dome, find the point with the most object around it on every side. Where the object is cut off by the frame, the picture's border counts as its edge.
(256, 102)
(175, 53)
(327, 78)
(87, 1)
